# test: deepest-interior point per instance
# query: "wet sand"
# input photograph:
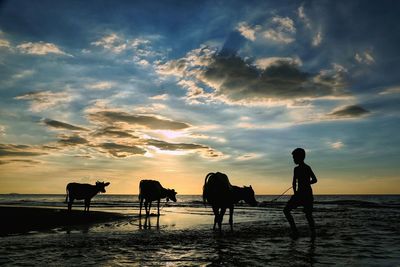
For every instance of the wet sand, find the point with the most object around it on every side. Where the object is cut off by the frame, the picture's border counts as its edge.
(27, 219)
(183, 236)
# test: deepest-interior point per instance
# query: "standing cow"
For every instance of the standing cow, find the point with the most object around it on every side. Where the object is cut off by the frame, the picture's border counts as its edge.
(151, 190)
(83, 191)
(220, 194)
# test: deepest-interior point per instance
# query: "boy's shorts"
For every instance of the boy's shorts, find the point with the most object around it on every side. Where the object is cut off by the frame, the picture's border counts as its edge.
(301, 200)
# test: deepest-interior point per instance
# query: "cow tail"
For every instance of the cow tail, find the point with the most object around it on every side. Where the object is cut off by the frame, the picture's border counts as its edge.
(205, 187)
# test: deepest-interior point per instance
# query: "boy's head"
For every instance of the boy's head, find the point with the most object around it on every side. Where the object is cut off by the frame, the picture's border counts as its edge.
(298, 155)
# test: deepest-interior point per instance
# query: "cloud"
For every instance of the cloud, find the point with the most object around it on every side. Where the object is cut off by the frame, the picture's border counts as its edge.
(146, 121)
(160, 97)
(20, 161)
(391, 90)
(120, 151)
(104, 85)
(248, 156)
(43, 100)
(62, 125)
(283, 80)
(112, 132)
(2, 130)
(11, 150)
(117, 44)
(302, 15)
(72, 140)
(111, 42)
(4, 43)
(364, 57)
(336, 145)
(317, 39)
(316, 30)
(204, 151)
(174, 146)
(193, 90)
(248, 31)
(267, 81)
(352, 111)
(23, 74)
(190, 65)
(40, 48)
(264, 63)
(281, 30)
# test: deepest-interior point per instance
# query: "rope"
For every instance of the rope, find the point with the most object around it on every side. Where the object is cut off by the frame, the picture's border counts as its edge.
(281, 195)
(165, 203)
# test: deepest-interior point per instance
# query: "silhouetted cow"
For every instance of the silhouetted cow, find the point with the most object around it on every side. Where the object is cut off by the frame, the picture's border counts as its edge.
(151, 190)
(83, 191)
(218, 192)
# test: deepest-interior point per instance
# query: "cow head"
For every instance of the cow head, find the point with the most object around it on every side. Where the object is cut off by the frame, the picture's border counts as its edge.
(249, 196)
(171, 194)
(101, 186)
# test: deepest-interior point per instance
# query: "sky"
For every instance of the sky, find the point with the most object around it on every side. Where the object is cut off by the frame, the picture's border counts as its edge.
(121, 91)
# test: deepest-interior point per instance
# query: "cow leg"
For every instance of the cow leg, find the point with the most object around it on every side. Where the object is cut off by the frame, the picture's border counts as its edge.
(216, 213)
(71, 200)
(140, 210)
(158, 207)
(149, 207)
(87, 203)
(221, 216)
(145, 207)
(231, 217)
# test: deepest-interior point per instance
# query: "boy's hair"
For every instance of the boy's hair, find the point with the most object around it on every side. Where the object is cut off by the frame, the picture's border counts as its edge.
(299, 152)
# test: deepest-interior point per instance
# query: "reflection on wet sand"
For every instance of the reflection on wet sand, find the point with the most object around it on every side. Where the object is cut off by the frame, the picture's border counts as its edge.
(147, 222)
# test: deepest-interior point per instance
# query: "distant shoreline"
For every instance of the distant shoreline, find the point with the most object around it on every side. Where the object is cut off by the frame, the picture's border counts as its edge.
(19, 220)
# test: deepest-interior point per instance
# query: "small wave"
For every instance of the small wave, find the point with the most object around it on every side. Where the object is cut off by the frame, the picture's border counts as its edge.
(358, 203)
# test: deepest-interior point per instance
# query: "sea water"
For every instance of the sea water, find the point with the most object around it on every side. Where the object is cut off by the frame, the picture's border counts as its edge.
(352, 230)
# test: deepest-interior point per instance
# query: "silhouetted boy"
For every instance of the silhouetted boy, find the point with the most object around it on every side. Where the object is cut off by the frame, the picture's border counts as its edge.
(303, 178)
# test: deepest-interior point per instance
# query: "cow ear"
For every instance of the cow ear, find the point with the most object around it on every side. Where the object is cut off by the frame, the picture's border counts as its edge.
(107, 184)
(250, 186)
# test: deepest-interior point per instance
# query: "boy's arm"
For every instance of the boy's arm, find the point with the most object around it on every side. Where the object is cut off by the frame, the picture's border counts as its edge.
(313, 178)
(294, 184)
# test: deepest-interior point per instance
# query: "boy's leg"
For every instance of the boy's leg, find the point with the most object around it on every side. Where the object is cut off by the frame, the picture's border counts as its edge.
(308, 211)
(290, 206)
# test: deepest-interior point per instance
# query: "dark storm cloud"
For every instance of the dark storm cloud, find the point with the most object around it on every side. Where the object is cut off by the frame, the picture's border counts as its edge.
(121, 151)
(238, 80)
(11, 150)
(352, 111)
(146, 121)
(62, 125)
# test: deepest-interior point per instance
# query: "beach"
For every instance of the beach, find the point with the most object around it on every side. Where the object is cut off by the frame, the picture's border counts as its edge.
(351, 231)
(19, 220)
